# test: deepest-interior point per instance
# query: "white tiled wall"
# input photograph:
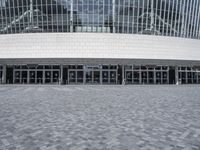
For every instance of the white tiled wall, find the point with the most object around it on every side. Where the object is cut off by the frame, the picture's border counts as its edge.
(97, 45)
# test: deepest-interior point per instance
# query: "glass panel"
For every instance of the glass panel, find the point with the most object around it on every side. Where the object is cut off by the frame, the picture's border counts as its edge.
(56, 76)
(151, 77)
(96, 77)
(40, 77)
(72, 77)
(88, 75)
(24, 76)
(105, 77)
(17, 77)
(32, 77)
(136, 77)
(128, 77)
(158, 77)
(113, 77)
(79, 76)
(144, 77)
(47, 76)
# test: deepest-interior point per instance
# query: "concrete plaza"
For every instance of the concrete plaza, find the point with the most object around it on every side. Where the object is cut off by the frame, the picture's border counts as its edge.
(149, 117)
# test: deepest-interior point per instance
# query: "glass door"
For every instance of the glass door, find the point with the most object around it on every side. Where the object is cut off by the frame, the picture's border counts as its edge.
(72, 76)
(32, 77)
(88, 76)
(151, 77)
(105, 77)
(39, 77)
(56, 75)
(129, 77)
(96, 77)
(80, 77)
(17, 77)
(47, 76)
(24, 76)
(113, 77)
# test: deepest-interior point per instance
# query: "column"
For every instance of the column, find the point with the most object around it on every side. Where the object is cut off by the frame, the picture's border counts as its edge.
(61, 74)
(123, 79)
(28, 76)
(154, 76)
(176, 76)
(51, 75)
(43, 77)
(84, 75)
(140, 76)
(101, 76)
(4, 74)
(186, 76)
(168, 75)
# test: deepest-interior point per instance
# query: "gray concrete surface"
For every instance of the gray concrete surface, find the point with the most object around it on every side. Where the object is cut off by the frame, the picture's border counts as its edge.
(100, 117)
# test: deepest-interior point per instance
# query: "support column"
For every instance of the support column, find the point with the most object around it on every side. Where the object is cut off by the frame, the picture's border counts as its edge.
(176, 76)
(154, 76)
(140, 76)
(101, 76)
(123, 79)
(43, 77)
(28, 76)
(4, 75)
(186, 76)
(168, 75)
(84, 75)
(61, 74)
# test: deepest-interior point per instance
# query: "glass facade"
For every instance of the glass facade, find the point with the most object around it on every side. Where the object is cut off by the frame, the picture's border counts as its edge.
(179, 18)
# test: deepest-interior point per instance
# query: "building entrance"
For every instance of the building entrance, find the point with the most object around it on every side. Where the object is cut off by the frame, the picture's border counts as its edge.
(146, 74)
(36, 74)
(92, 74)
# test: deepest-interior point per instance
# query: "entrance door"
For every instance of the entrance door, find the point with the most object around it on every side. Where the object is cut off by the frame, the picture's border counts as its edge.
(172, 75)
(47, 76)
(96, 77)
(88, 76)
(151, 77)
(80, 77)
(113, 77)
(17, 78)
(56, 75)
(105, 77)
(32, 77)
(39, 77)
(72, 77)
(129, 78)
(24, 77)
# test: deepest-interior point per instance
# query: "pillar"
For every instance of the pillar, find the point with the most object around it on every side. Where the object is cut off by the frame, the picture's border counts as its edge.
(176, 76)
(4, 75)
(140, 75)
(101, 77)
(123, 77)
(61, 74)
(43, 77)
(154, 76)
(28, 76)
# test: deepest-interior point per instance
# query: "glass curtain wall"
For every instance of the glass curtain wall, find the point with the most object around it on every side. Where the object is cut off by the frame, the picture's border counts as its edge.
(179, 18)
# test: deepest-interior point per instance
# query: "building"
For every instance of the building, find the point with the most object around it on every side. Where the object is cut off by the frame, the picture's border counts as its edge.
(99, 41)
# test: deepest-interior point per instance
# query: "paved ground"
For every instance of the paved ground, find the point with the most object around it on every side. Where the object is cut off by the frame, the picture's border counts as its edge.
(100, 117)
